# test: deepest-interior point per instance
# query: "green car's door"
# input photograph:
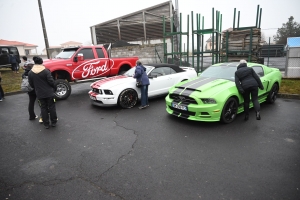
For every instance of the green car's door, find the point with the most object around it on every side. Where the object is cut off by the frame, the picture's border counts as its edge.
(264, 79)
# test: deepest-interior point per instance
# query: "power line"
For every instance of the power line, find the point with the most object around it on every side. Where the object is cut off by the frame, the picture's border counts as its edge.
(269, 28)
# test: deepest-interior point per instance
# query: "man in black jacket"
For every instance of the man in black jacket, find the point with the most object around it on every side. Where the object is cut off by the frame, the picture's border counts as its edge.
(248, 82)
(43, 83)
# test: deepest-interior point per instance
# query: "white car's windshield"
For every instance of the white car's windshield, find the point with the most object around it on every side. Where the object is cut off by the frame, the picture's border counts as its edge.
(130, 72)
(66, 53)
(222, 71)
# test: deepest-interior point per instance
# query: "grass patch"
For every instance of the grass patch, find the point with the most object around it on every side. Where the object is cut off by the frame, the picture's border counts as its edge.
(290, 86)
(11, 82)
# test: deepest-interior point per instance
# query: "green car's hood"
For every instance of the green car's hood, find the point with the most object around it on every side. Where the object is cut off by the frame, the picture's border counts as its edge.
(202, 87)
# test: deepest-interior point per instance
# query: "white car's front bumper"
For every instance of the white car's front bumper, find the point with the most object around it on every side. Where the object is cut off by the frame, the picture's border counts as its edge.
(102, 99)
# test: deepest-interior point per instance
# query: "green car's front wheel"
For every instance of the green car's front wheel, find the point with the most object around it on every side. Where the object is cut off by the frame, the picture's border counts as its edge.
(229, 111)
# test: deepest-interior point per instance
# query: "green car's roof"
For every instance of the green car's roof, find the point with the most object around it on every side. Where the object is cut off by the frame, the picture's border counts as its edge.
(235, 64)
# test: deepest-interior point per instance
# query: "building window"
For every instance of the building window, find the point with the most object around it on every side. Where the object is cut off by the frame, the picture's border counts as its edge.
(27, 52)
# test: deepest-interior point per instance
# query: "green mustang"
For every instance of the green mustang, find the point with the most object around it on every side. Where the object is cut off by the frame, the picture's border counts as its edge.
(213, 95)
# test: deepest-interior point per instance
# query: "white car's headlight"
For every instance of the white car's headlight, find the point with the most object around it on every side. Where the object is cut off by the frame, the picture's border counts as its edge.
(108, 92)
(209, 101)
(97, 90)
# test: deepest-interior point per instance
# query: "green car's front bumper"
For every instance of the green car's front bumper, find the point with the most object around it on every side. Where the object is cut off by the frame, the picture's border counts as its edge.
(197, 112)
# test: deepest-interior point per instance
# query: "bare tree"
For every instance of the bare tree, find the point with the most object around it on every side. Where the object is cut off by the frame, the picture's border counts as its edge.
(289, 29)
(263, 38)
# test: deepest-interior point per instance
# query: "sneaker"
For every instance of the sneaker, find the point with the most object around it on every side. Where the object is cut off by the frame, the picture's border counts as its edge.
(41, 120)
(147, 105)
(46, 126)
(1, 100)
(34, 118)
(142, 107)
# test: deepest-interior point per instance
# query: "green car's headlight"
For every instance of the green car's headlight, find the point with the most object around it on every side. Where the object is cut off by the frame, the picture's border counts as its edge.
(209, 101)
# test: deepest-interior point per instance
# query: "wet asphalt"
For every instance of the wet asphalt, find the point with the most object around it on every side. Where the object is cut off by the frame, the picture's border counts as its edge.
(114, 153)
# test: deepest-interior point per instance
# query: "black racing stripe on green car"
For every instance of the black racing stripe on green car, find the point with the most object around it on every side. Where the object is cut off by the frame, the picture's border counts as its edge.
(190, 87)
(194, 84)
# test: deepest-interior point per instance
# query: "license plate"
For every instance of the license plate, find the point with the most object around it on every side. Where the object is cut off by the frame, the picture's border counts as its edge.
(181, 107)
(93, 98)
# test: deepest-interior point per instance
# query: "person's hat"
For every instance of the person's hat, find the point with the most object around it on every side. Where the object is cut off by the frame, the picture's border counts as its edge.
(243, 61)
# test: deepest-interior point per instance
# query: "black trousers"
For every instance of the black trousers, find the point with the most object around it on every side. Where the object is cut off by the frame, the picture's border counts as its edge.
(253, 91)
(1, 91)
(32, 98)
(48, 106)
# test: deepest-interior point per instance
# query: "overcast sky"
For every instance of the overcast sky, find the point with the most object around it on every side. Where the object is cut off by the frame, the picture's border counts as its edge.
(70, 20)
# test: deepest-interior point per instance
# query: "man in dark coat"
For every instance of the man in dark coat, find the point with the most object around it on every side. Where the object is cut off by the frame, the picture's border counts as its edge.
(42, 81)
(248, 82)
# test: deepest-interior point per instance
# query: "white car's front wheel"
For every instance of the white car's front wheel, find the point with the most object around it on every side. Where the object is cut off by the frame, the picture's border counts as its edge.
(128, 98)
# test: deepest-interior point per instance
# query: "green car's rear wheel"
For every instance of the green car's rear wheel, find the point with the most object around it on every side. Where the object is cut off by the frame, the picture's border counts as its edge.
(273, 94)
(229, 111)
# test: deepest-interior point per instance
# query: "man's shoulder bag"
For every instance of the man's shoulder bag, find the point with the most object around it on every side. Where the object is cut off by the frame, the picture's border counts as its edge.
(25, 86)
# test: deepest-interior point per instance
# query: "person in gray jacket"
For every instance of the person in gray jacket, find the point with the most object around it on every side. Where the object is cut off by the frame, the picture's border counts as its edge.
(248, 82)
(42, 81)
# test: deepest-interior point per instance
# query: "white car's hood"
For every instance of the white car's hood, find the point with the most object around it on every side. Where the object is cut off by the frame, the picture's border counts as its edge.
(113, 81)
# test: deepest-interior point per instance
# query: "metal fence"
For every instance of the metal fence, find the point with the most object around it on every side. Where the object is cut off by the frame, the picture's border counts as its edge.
(292, 67)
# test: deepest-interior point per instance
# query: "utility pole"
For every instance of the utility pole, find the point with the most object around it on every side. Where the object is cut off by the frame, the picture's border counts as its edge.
(44, 29)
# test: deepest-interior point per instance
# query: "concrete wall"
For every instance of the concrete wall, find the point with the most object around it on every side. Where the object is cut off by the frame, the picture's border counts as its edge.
(146, 53)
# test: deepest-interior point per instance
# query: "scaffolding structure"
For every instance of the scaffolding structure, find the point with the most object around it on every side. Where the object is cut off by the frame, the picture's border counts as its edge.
(199, 32)
(231, 45)
(242, 42)
(176, 52)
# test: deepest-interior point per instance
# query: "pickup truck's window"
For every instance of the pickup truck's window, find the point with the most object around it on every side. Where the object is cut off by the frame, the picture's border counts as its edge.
(4, 49)
(100, 53)
(66, 53)
(259, 70)
(14, 50)
(87, 53)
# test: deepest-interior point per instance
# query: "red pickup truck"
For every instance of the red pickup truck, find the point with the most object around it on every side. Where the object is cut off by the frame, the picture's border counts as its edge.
(85, 63)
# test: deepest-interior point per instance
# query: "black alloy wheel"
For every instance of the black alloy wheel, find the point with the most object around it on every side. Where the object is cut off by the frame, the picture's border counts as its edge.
(229, 111)
(128, 98)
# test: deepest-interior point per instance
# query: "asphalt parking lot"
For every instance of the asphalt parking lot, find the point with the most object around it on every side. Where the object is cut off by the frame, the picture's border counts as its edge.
(132, 154)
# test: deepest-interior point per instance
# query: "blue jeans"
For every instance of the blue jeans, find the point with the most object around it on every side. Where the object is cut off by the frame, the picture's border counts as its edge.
(144, 95)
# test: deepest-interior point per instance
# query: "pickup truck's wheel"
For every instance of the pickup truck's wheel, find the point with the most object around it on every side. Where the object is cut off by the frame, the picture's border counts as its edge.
(229, 111)
(128, 98)
(63, 90)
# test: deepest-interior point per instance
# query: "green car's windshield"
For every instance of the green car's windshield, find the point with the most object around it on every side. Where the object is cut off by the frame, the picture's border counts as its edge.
(222, 72)
(130, 72)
